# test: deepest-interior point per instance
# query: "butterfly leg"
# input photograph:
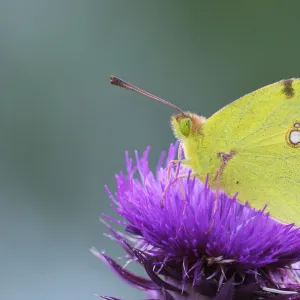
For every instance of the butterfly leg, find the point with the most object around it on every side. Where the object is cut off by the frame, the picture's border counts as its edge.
(218, 178)
(186, 175)
(180, 149)
(170, 165)
(178, 162)
(225, 158)
(218, 186)
(181, 161)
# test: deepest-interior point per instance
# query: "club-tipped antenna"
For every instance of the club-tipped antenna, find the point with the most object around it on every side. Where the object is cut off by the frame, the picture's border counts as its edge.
(121, 83)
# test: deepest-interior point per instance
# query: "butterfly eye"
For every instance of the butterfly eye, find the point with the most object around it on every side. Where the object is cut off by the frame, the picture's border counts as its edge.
(185, 126)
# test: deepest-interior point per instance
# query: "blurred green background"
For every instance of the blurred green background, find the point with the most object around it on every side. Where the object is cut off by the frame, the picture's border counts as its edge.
(64, 128)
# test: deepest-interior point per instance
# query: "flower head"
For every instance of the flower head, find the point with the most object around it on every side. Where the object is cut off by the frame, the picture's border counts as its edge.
(197, 243)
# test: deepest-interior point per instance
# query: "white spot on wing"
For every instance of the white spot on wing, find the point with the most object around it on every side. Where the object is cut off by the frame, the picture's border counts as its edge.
(297, 125)
(295, 137)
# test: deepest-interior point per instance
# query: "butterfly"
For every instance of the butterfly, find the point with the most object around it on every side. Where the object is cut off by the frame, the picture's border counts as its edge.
(250, 147)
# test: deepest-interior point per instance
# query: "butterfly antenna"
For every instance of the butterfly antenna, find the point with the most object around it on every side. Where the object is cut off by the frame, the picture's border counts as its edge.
(121, 83)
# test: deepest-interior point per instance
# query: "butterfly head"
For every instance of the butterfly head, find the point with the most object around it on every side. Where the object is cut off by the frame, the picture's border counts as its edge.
(186, 124)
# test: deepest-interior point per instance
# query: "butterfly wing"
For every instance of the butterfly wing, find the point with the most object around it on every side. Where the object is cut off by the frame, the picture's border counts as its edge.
(262, 130)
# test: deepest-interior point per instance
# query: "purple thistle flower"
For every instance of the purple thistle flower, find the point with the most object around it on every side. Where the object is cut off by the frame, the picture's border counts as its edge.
(198, 248)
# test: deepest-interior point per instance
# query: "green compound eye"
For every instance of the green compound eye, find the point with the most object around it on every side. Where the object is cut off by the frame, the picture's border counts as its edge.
(185, 126)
